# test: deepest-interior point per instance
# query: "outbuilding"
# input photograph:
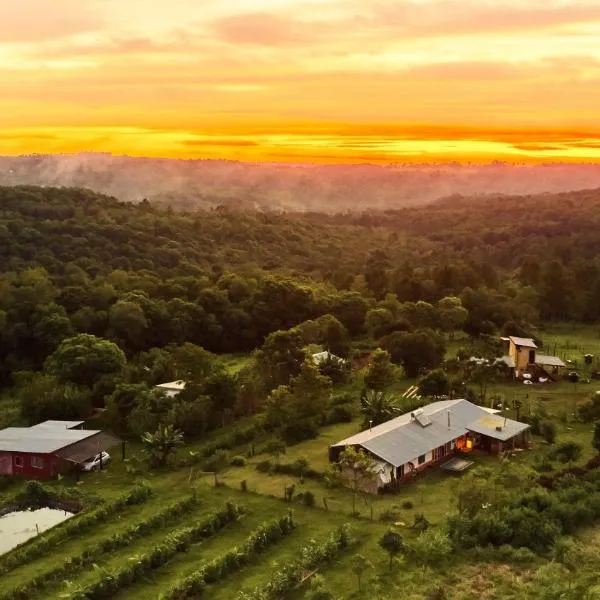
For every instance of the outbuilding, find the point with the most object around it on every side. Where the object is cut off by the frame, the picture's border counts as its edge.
(49, 448)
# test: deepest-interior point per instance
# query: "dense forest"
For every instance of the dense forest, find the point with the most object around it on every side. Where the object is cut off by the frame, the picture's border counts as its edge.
(134, 287)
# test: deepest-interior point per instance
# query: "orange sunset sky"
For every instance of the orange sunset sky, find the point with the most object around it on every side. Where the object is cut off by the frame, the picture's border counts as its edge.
(303, 80)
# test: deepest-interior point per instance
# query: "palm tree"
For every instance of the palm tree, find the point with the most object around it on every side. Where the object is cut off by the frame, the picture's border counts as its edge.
(378, 407)
(161, 444)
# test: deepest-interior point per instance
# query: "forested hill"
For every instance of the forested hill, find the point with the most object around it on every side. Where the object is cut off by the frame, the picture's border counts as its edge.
(189, 184)
(73, 261)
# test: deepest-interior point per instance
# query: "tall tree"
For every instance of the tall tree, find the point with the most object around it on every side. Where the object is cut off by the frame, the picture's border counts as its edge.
(380, 373)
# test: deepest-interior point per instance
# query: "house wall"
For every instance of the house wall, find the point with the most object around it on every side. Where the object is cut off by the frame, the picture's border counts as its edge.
(21, 464)
(520, 355)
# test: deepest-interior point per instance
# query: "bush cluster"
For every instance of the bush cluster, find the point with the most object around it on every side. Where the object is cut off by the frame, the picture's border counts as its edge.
(536, 519)
(286, 577)
(93, 553)
(297, 468)
(40, 545)
(108, 585)
(219, 568)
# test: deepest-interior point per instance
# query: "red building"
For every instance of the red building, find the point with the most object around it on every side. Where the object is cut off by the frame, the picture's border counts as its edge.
(49, 448)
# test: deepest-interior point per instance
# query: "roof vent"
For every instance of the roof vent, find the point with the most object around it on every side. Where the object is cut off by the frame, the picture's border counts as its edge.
(498, 427)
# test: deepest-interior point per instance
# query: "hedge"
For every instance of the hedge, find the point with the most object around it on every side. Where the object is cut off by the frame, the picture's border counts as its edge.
(108, 585)
(286, 577)
(221, 567)
(91, 554)
(39, 546)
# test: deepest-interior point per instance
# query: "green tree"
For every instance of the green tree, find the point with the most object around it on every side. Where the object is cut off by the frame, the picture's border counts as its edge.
(452, 315)
(122, 401)
(360, 565)
(376, 273)
(356, 469)
(415, 351)
(84, 359)
(276, 448)
(161, 444)
(432, 547)
(129, 323)
(217, 463)
(378, 322)
(392, 543)
(378, 407)
(280, 357)
(434, 384)
(333, 335)
(380, 373)
(43, 397)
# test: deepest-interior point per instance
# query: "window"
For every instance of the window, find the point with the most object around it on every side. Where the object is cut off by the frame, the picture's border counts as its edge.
(37, 462)
(421, 459)
(18, 461)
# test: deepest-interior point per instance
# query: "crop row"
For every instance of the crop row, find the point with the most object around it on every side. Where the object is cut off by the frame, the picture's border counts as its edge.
(139, 494)
(92, 553)
(286, 577)
(218, 569)
(110, 583)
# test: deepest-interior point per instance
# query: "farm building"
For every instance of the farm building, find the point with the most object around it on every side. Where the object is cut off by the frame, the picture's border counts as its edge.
(522, 356)
(49, 448)
(322, 357)
(171, 388)
(430, 435)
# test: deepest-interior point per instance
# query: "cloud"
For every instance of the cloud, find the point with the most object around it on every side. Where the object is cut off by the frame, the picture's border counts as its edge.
(38, 20)
(223, 142)
(264, 29)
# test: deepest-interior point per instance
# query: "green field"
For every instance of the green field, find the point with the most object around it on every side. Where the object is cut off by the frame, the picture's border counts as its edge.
(462, 575)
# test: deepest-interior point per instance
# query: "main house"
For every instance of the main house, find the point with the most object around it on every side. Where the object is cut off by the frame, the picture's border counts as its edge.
(522, 356)
(420, 439)
(49, 448)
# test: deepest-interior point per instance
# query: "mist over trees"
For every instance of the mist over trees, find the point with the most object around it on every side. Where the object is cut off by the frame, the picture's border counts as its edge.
(191, 184)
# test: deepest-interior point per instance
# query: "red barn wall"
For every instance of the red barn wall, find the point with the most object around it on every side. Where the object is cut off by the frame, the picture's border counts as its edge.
(21, 464)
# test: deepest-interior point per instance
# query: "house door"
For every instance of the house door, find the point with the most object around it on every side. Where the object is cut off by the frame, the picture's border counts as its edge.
(400, 472)
(532, 357)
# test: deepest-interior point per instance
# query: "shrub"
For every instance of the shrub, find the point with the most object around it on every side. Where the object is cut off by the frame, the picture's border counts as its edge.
(244, 485)
(390, 515)
(308, 498)
(264, 466)
(548, 431)
(407, 505)
(341, 413)
(238, 461)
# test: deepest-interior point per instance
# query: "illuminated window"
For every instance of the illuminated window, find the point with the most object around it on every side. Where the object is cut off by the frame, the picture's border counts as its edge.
(37, 462)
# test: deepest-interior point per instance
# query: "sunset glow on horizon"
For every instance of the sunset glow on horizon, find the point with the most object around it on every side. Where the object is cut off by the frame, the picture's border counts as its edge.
(348, 81)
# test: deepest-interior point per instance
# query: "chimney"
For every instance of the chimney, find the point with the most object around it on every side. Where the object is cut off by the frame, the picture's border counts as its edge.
(448, 418)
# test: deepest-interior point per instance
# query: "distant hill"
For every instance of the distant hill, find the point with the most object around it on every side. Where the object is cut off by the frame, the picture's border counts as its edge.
(188, 184)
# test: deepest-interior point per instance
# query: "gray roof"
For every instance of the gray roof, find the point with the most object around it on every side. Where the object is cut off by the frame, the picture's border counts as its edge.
(44, 438)
(509, 361)
(58, 424)
(403, 439)
(549, 361)
(519, 341)
(486, 425)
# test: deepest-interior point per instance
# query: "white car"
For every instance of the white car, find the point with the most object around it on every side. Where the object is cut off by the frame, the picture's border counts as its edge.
(93, 464)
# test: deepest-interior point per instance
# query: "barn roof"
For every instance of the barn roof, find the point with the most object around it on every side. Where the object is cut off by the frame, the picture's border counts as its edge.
(411, 435)
(43, 438)
(80, 451)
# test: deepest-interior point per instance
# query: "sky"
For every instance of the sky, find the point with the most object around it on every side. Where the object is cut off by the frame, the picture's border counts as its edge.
(303, 80)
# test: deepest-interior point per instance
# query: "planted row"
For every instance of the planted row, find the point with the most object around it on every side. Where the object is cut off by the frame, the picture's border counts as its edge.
(39, 546)
(218, 569)
(91, 554)
(286, 577)
(108, 584)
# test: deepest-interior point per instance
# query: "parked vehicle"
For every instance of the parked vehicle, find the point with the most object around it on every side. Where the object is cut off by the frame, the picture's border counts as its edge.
(96, 462)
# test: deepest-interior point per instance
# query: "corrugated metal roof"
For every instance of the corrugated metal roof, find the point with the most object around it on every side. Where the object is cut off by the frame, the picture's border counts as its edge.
(58, 424)
(550, 361)
(44, 440)
(487, 424)
(519, 341)
(81, 451)
(403, 439)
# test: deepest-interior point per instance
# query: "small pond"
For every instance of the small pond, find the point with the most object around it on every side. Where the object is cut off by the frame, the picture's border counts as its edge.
(17, 527)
